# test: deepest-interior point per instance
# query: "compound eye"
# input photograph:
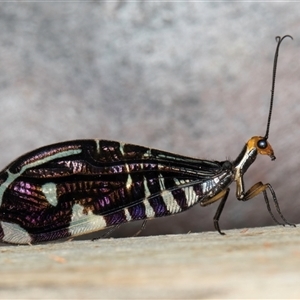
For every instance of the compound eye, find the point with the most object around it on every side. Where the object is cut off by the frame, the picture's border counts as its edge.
(262, 144)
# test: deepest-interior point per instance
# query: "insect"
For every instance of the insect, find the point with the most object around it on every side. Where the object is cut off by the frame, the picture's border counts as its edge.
(82, 186)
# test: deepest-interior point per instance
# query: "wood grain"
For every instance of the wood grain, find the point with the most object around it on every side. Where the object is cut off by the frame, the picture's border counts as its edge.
(248, 263)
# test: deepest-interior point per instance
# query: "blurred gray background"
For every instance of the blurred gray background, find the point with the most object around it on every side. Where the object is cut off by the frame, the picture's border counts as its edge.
(190, 78)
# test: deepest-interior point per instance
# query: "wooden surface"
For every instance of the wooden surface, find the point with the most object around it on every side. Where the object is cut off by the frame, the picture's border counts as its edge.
(251, 263)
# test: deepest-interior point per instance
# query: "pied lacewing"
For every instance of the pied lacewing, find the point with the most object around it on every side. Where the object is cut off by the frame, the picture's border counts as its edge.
(78, 187)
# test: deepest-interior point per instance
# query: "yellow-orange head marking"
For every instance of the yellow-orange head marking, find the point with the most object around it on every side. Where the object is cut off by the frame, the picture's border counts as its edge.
(262, 146)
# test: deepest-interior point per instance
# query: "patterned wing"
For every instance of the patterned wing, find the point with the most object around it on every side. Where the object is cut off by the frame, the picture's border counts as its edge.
(78, 187)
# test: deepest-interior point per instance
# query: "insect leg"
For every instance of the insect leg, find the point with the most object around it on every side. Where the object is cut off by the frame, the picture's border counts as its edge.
(107, 233)
(258, 188)
(142, 228)
(219, 211)
(276, 203)
(223, 195)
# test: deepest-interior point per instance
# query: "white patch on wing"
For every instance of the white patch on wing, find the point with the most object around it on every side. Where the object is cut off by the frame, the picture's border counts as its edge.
(207, 186)
(127, 215)
(161, 182)
(14, 233)
(190, 195)
(49, 190)
(122, 148)
(147, 154)
(147, 192)
(12, 177)
(149, 211)
(82, 223)
(129, 181)
(98, 149)
(177, 182)
(170, 202)
(167, 196)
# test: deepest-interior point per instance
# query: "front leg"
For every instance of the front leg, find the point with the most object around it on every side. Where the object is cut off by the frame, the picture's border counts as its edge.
(256, 189)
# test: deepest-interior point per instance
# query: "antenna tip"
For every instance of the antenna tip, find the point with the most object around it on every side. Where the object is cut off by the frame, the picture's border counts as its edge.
(280, 39)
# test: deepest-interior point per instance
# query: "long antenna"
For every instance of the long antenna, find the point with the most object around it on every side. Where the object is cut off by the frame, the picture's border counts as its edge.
(278, 40)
